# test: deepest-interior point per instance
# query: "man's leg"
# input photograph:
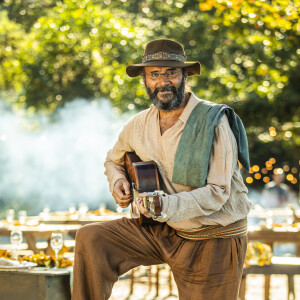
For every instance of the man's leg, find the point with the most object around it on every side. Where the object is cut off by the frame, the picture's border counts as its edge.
(209, 269)
(104, 251)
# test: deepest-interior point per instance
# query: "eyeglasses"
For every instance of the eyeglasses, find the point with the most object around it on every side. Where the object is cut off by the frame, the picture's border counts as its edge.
(168, 74)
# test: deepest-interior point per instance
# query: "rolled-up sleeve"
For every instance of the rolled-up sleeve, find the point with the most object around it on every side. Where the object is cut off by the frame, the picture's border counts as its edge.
(210, 198)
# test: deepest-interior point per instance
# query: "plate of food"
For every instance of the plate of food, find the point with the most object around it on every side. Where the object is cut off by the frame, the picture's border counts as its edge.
(43, 260)
(6, 263)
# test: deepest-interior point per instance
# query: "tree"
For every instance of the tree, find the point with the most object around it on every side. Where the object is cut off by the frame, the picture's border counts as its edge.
(249, 51)
(256, 69)
(11, 36)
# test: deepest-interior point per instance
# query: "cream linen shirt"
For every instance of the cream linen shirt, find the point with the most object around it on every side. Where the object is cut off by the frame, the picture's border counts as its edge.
(224, 198)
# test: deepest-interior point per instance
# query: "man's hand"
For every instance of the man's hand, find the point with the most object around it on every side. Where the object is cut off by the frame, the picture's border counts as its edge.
(141, 208)
(121, 193)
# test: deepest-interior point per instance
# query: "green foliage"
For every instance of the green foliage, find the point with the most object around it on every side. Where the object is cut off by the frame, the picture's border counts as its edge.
(54, 51)
(11, 35)
(74, 52)
(256, 70)
(26, 12)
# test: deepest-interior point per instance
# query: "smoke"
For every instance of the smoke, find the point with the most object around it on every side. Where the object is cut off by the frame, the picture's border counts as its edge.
(57, 160)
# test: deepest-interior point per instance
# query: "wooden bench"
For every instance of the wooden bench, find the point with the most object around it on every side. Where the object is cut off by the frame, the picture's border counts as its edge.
(289, 266)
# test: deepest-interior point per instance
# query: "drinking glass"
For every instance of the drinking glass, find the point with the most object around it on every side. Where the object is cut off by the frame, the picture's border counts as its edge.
(22, 216)
(270, 219)
(10, 214)
(56, 244)
(46, 209)
(16, 238)
(289, 220)
(119, 209)
(83, 209)
(72, 209)
(45, 214)
(102, 208)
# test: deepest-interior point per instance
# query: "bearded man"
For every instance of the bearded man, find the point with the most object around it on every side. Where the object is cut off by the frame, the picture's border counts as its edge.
(200, 229)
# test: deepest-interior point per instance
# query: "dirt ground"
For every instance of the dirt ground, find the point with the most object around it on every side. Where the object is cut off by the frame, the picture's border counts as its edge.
(254, 287)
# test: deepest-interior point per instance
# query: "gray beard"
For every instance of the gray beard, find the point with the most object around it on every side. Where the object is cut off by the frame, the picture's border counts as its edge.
(173, 103)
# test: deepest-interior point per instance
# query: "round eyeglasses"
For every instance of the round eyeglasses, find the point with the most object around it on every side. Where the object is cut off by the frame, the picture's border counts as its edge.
(168, 74)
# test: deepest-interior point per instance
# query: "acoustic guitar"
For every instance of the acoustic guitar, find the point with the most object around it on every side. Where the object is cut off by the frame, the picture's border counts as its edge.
(144, 179)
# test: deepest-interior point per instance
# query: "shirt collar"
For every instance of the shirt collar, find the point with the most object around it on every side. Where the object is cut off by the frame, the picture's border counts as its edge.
(193, 101)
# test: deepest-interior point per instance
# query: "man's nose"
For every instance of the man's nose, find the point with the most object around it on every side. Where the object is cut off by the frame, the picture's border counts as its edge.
(163, 78)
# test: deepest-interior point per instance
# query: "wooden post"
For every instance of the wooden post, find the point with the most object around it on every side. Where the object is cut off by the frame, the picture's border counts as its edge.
(157, 280)
(268, 278)
(267, 287)
(291, 287)
(170, 281)
(131, 281)
(150, 278)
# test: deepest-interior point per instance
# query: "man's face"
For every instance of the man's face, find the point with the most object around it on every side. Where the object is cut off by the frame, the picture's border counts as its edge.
(278, 178)
(165, 86)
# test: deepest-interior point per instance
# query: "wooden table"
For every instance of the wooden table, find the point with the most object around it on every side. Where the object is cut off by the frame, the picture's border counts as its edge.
(276, 235)
(271, 236)
(42, 226)
(43, 231)
(35, 284)
(75, 219)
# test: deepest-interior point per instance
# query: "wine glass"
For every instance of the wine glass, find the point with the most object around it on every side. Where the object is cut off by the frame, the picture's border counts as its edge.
(83, 209)
(10, 214)
(102, 208)
(56, 244)
(22, 216)
(16, 238)
(72, 209)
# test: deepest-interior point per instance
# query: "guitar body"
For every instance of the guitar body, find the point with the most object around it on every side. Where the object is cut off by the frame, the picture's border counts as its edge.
(144, 177)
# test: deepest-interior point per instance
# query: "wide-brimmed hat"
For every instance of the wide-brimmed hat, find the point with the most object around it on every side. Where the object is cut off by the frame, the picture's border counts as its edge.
(164, 53)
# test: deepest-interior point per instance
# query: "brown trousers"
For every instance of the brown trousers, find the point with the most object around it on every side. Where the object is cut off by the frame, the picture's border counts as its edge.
(203, 270)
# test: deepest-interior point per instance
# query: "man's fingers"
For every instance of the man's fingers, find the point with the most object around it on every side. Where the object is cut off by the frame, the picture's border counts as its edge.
(141, 208)
(123, 200)
(122, 189)
(126, 187)
(123, 203)
(120, 194)
(120, 201)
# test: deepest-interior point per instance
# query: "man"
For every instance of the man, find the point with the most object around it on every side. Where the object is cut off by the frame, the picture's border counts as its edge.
(201, 232)
(275, 193)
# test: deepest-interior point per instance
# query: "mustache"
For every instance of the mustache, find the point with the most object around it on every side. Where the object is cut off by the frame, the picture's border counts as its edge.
(170, 88)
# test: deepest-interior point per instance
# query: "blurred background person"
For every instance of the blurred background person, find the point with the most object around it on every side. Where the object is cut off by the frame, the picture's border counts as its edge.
(275, 193)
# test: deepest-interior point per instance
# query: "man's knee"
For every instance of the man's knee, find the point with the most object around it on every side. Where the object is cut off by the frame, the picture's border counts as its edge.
(87, 234)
